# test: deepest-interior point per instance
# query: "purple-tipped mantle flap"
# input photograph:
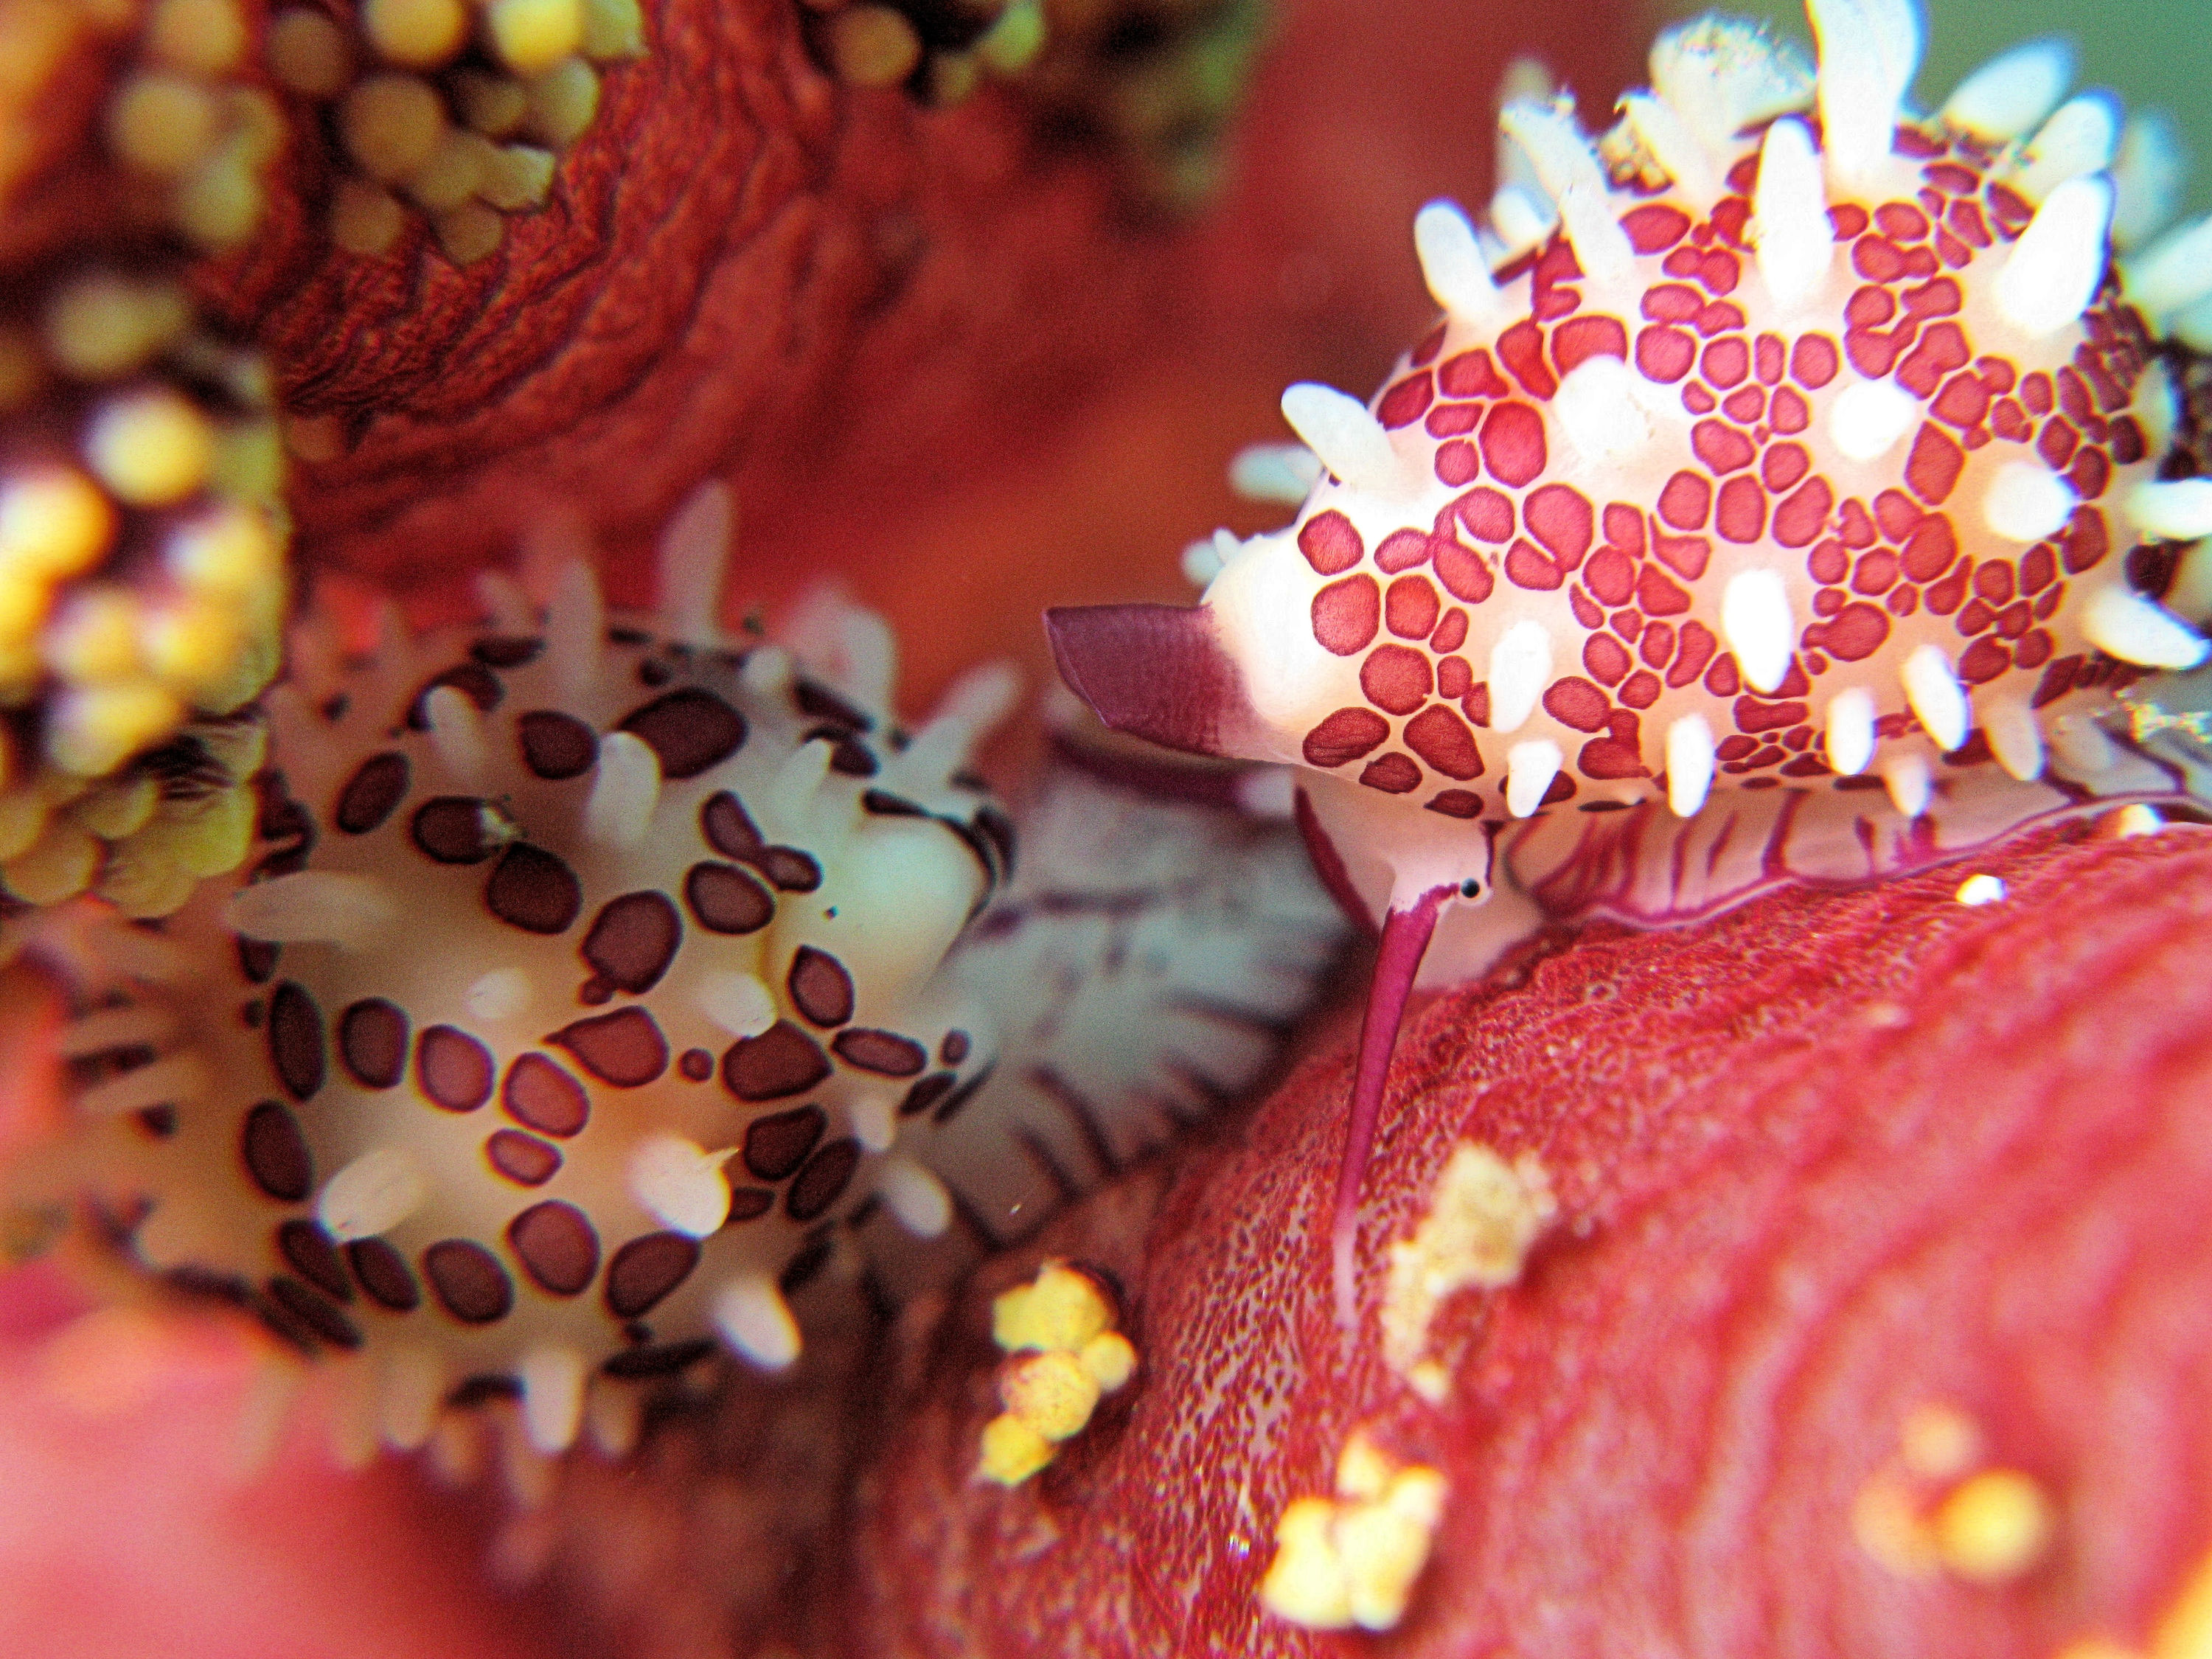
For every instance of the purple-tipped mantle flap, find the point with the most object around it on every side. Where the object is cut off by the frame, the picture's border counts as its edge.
(1155, 672)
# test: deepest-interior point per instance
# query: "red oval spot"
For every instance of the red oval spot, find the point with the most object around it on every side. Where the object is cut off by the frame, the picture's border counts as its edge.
(1346, 615)
(1563, 520)
(1685, 500)
(1611, 575)
(1983, 661)
(1686, 556)
(1331, 545)
(1405, 401)
(1575, 702)
(1741, 515)
(1855, 633)
(1658, 596)
(1439, 737)
(1654, 229)
(1488, 515)
(1464, 574)
(1456, 463)
(1607, 658)
(1521, 349)
(1471, 374)
(1345, 736)
(1410, 608)
(1783, 465)
(1932, 469)
(1527, 568)
(1450, 635)
(1393, 774)
(1727, 361)
(1814, 361)
(1578, 339)
(1397, 677)
(1665, 354)
(1799, 519)
(1402, 549)
(2084, 542)
(1513, 444)
(1721, 446)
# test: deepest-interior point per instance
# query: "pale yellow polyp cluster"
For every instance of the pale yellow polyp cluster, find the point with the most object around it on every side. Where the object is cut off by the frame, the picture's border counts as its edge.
(1067, 1355)
(457, 107)
(181, 120)
(142, 586)
(871, 44)
(1352, 1560)
(1482, 1219)
(1935, 1508)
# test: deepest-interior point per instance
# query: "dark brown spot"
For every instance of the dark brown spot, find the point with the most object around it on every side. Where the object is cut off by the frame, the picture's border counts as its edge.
(378, 784)
(648, 1268)
(927, 1092)
(372, 1043)
(540, 1095)
(524, 1159)
(295, 1040)
(385, 1274)
(690, 730)
(468, 1281)
(728, 827)
(954, 1048)
(822, 1181)
(820, 986)
(848, 755)
(750, 1203)
(313, 1311)
(453, 1068)
(471, 680)
(791, 870)
(726, 900)
(315, 1256)
(277, 1155)
(455, 830)
(695, 1064)
(625, 1048)
(257, 960)
(556, 1245)
(555, 745)
(885, 1053)
(778, 1144)
(506, 650)
(817, 701)
(809, 1260)
(633, 939)
(781, 1061)
(658, 1358)
(533, 890)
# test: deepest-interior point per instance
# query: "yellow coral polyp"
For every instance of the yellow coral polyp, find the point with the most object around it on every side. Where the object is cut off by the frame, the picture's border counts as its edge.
(1059, 1327)
(1012, 1451)
(94, 729)
(1353, 1561)
(54, 523)
(151, 448)
(1062, 1308)
(531, 36)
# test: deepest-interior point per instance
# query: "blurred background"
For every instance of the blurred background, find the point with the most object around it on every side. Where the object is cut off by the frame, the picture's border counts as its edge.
(2149, 52)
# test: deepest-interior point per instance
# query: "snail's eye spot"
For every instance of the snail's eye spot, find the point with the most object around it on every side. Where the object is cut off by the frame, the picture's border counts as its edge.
(1470, 888)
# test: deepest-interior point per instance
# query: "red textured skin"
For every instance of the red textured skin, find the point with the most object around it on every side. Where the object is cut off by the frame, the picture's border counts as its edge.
(1786, 1220)
(932, 352)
